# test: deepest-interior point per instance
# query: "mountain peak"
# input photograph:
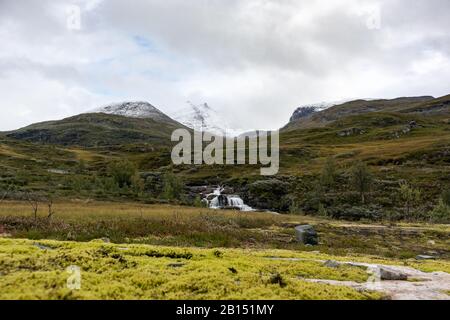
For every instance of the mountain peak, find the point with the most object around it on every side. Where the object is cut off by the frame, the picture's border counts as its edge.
(204, 117)
(134, 109)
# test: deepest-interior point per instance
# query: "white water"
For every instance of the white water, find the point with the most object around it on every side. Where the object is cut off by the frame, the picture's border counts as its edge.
(223, 201)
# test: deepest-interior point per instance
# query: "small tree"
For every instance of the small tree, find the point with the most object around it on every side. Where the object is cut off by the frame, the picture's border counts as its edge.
(295, 208)
(137, 183)
(173, 187)
(122, 172)
(361, 179)
(329, 173)
(9, 188)
(441, 213)
(81, 166)
(409, 196)
(34, 203)
(50, 208)
(322, 211)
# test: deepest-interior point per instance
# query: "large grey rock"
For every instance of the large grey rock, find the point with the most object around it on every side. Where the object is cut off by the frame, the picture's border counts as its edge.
(392, 275)
(307, 235)
(332, 264)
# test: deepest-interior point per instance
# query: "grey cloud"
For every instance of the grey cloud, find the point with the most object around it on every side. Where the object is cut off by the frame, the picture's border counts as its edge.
(255, 60)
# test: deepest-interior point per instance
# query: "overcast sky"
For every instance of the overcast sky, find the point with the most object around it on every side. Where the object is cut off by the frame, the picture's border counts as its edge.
(254, 61)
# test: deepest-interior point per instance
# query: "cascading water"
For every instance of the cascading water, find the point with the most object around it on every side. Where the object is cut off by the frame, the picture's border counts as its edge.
(220, 201)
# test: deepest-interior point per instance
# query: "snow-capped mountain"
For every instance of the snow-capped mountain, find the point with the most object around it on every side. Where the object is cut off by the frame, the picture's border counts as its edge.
(203, 117)
(309, 109)
(134, 109)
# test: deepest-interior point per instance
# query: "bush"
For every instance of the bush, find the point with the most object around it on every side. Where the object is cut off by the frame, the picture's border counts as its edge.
(409, 196)
(269, 194)
(354, 213)
(441, 212)
(446, 197)
(199, 203)
(122, 173)
(314, 198)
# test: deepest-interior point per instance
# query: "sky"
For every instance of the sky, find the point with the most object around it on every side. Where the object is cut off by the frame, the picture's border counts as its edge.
(253, 61)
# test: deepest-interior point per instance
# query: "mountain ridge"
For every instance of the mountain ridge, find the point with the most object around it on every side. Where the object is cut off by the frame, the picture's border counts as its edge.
(426, 105)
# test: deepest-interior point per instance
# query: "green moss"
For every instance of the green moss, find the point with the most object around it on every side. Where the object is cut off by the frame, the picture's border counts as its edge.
(112, 271)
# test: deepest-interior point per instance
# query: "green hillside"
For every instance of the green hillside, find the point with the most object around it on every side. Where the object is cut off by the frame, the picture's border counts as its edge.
(97, 130)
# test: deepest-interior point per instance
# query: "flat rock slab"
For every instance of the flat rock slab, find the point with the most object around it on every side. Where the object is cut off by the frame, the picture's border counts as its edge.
(427, 286)
(425, 257)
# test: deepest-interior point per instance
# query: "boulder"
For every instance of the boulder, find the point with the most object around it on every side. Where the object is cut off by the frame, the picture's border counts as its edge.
(228, 190)
(306, 235)
(42, 247)
(332, 264)
(391, 275)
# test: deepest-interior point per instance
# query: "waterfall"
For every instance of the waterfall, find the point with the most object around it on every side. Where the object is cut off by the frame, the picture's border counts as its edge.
(220, 201)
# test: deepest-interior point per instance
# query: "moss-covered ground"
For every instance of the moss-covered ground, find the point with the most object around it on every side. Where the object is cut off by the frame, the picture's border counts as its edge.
(37, 270)
(167, 252)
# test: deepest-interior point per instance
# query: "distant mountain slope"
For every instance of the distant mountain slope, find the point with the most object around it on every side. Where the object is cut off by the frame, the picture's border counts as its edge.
(117, 124)
(424, 105)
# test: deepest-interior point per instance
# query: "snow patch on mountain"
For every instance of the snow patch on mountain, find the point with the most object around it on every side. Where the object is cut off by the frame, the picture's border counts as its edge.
(134, 109)
(307, 110)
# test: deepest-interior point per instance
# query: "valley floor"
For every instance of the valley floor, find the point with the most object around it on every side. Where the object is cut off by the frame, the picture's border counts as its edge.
(130, 251)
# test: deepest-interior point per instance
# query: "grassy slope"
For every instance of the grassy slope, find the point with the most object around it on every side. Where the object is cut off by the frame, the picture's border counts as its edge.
(302, 151)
